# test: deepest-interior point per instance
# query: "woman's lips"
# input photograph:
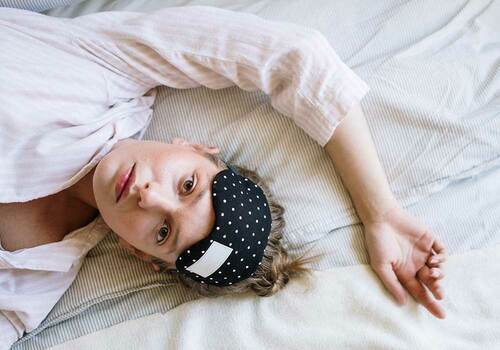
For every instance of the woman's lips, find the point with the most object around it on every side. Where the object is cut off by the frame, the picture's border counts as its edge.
(125, 181)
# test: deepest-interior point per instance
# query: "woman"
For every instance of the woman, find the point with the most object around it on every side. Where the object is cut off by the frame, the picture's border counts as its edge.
(74, 125)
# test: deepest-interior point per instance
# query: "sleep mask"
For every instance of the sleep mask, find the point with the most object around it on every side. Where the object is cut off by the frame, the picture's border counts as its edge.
(234, 249)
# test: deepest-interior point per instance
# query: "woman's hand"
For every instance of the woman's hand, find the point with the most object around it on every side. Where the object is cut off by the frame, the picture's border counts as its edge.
(400, 248)
(404, 253)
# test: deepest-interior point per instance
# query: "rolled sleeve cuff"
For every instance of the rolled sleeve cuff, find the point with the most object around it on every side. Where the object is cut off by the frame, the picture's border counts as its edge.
(327, 89)
(330, 111)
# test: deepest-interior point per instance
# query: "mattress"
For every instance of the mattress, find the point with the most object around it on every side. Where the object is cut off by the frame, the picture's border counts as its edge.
(433, 110)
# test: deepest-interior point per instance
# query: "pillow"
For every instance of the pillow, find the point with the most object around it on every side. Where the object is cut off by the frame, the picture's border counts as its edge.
(252, 134)
(36, 5)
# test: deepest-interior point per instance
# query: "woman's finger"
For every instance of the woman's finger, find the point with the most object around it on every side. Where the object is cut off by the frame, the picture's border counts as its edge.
(437, 273)
(433, 272)
(435, 260)
(425, 276)
(418, 291)
(439, 247)
(435, 287)
(391, 282)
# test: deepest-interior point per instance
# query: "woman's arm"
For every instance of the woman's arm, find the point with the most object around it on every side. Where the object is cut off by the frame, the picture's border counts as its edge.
(193, 46)
(112, 60)
(353, 153)
(400, 248)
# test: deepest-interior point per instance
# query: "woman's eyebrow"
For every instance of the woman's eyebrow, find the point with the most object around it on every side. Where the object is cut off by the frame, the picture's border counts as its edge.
(202, 192)
(196, 200)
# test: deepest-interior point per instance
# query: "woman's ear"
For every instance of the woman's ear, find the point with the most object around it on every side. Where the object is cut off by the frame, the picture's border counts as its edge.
(207, 149)
(196, 146)
(179, 141)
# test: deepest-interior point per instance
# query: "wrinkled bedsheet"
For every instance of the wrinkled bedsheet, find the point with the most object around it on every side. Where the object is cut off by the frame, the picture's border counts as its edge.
(345, 308)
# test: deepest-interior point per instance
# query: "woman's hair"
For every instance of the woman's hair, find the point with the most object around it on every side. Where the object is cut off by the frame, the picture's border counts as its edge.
(277, 266)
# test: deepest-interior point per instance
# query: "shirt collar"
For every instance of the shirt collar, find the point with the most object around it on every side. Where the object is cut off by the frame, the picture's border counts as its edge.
(58, 256)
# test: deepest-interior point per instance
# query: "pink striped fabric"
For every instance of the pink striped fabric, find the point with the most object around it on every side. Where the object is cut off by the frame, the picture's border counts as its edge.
(71, 88)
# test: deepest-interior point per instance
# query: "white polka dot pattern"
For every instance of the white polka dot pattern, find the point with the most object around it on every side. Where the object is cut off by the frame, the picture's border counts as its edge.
(242, 224)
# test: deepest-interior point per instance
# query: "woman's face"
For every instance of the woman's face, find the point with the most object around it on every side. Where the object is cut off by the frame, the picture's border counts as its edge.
(172, 191)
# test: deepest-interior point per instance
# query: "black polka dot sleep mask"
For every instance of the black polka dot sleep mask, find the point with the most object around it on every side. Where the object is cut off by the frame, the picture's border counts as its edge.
(234, 249)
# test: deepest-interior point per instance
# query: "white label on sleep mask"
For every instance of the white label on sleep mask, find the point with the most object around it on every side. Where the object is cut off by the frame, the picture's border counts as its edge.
(213, 258)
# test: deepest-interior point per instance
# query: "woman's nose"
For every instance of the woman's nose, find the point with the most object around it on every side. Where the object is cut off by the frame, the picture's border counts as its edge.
(151, 196)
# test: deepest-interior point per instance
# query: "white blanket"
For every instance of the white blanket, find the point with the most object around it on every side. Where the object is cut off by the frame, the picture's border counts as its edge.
(345, 308)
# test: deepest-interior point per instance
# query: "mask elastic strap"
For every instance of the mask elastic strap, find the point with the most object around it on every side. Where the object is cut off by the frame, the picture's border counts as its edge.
(230, 167)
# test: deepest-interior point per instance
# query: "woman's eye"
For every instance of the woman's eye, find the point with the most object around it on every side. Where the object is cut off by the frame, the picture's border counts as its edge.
(188, 185)
(163, 234)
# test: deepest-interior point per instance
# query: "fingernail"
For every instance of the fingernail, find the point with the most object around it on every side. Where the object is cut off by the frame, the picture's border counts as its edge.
(434, 260)
(434, 274)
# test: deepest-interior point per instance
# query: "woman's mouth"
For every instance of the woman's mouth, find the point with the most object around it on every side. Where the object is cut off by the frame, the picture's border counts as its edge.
(124, 182)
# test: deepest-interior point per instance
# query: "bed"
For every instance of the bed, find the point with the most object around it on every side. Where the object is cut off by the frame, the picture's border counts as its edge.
(434, 113)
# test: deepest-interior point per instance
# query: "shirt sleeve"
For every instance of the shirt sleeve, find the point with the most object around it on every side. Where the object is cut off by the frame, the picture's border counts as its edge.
(192, 46)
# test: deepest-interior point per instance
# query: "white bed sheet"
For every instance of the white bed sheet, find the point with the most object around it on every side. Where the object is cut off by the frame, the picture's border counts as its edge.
(346, 308)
